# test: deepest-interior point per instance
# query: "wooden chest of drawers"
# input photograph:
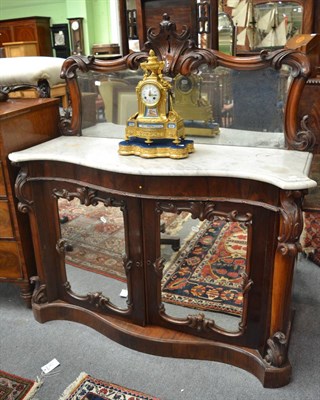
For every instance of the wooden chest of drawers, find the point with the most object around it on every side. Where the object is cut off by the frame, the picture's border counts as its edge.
(23, 123)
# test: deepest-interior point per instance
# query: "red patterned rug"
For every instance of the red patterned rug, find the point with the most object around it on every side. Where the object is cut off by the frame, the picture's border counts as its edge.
(88, 388)
(310, 238)
(97, 236)
(206, 274)
(13, 387)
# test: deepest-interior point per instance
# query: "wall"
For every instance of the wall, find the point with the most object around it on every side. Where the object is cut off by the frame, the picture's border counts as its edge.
(100, 23)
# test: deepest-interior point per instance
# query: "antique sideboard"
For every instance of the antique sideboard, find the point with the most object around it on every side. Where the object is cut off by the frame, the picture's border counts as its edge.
(256, 180)
(24, 123)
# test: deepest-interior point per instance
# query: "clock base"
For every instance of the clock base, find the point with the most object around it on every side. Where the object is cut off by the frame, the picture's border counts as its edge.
(157, 149)
(201, 128)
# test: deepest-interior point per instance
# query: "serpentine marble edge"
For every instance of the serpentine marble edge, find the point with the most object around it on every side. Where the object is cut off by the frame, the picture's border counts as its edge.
(285, 169)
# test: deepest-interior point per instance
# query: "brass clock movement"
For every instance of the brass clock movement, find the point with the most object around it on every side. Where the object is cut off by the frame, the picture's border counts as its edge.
(156, 130)
(193, 107)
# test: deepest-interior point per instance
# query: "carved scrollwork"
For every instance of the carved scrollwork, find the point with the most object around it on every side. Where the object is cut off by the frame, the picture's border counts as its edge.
(291, 223)
(24, 204)
(277, 351)
(200, 323)
(297, 60)
(167, 43)
(63, 246)
(158, 266)
(202, 210)
(39, 295)
(98, 300)
(87, 197)
(305, 139)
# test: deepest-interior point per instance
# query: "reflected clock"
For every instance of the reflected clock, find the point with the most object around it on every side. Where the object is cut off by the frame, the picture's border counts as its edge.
(194, 108)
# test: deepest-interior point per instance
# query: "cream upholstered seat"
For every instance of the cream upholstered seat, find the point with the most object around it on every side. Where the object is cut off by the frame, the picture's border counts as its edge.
(33, 71)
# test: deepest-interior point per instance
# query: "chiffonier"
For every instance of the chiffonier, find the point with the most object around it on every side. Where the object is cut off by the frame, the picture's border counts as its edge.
(23, 123)
(255, 180)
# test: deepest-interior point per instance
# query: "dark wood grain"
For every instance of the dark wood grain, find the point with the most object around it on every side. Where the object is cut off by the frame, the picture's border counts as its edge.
(23, 123)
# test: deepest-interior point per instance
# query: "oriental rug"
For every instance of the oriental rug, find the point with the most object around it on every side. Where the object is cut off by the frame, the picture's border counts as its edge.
(206, 274)
(88, 388)
(13, 387)
(310, 238)
(97, 236)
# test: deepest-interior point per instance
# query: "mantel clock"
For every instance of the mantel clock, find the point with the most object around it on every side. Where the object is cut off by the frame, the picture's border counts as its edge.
(156, 130)
(193, 107)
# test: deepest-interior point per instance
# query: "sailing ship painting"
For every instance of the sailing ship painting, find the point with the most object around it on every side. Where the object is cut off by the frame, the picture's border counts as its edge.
(264, 25)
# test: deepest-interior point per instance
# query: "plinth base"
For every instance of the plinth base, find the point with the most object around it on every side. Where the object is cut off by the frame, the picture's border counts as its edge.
(166, 342)
(158, 148)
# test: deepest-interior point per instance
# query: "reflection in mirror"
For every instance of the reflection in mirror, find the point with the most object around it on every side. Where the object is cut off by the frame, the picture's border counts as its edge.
(264, 24)
(247, 106)
(206, 275)
(108, 100)
(226, 33)
(95, 262)
(219, 105)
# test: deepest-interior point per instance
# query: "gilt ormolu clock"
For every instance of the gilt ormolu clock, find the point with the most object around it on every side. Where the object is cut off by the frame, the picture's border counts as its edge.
(156, 130)
(193, 107)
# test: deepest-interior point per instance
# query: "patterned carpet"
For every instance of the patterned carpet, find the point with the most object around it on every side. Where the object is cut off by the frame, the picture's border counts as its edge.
(310, 239)
(88, 388)
(13, 387)
(204, 274)
(97, 236)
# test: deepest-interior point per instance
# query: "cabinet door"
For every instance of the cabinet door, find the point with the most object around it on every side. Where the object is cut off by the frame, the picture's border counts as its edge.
(5, 34)
(25, 33)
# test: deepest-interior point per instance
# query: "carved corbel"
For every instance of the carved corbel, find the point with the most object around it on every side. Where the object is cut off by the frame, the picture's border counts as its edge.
(39, 295)
(305, 139)
(24, 204)
(277, 352)
(291, 222)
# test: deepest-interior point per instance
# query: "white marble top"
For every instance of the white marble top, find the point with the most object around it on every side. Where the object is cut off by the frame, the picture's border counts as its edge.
(283, 168)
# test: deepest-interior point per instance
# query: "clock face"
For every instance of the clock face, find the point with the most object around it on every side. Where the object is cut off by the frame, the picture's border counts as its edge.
(75, 25)
(150, 94)
(185, 84)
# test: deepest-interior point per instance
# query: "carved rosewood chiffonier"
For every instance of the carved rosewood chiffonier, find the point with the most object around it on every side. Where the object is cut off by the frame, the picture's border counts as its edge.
(256, 186)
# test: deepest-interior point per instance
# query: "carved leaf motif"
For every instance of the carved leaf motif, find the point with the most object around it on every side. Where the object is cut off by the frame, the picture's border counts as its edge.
(291, 223)
(24, 204)
(277, 351)
(87, 197)
(202, 210)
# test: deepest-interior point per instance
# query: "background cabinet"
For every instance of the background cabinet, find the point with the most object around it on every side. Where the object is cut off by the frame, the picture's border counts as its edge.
(23, 123)
(31, 29)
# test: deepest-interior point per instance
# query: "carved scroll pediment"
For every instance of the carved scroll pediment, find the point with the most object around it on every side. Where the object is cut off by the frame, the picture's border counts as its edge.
(169, 45)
